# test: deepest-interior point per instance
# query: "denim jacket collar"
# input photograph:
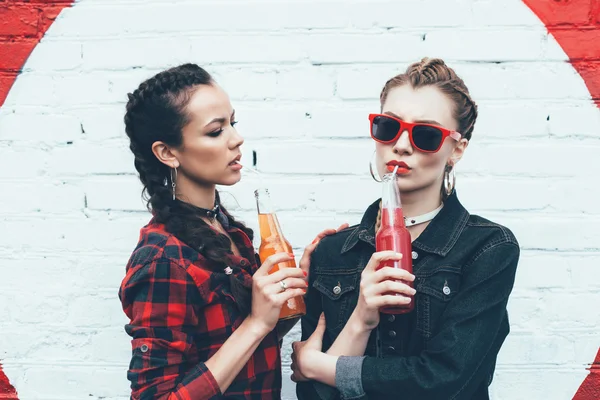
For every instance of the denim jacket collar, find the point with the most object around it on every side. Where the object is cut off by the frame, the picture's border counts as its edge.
(438, 238)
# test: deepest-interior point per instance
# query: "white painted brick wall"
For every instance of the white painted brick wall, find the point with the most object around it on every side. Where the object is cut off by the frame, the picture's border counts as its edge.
(302, 75)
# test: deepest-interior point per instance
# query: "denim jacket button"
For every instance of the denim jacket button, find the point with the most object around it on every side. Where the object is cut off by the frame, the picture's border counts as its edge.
(392, 318)
(392, 334)
(446, 289)
(337, 290)
(415, 255)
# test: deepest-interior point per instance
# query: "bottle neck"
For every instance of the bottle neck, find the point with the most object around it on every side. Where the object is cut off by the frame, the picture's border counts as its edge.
(263, 201)
(267, 219)
(391, 205)
(390, 195)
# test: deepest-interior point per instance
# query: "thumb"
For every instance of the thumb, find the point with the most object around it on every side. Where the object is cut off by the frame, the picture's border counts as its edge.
(316, 338)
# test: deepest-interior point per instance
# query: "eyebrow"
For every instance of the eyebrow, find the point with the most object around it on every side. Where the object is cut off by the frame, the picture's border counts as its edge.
(220, 119)
(423, 121)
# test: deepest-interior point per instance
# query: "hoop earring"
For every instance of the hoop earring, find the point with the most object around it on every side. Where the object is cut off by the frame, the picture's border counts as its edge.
(449, 179)
(173, 181)
(373, 174)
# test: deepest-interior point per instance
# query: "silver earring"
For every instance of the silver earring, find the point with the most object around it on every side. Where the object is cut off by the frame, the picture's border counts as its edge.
(449, 179)
(374, 175)
(173, 181)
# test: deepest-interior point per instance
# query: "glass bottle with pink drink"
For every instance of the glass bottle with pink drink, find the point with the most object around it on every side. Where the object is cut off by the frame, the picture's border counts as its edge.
(393, 235)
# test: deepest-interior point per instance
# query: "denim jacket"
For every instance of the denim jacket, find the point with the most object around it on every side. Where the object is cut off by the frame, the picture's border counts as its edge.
(446, 348)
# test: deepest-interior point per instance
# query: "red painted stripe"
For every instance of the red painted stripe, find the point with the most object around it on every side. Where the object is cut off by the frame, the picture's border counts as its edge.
(7, 391)
(575, 24)
(590, 388)
(22, 25)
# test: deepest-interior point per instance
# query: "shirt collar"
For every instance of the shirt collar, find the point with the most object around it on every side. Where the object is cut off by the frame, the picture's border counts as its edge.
(438, 238)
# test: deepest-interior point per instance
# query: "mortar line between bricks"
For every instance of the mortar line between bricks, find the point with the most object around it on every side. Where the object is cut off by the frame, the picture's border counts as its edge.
(407, 32)
(63, 363)
(117, 365)
(300, 103)
(91, 364)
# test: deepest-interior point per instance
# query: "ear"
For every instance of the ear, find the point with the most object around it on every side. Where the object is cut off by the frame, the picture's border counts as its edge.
(458, 151)
(165, 154)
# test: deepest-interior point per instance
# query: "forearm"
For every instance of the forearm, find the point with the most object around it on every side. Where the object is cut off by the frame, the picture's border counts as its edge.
(352, 340)
(322, 369)
(229, 360)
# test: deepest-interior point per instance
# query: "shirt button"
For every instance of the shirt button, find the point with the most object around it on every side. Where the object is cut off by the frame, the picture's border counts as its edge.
(415, 255)
(337, 290)
(392, 318)
(144, 348)
(392, 334)
(391, 349)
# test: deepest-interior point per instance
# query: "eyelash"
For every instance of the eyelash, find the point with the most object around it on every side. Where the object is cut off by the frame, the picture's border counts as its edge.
(217, 133)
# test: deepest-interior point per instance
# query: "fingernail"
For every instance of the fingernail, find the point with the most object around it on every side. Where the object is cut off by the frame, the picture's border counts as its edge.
(305, 273)
(315, 241)
(291, 254)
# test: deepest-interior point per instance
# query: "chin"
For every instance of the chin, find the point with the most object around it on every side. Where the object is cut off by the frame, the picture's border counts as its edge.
(230, 180)
(407, 184)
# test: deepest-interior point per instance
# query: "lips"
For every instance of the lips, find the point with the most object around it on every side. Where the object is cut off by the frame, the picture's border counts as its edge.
(236, 160)
(403, 168)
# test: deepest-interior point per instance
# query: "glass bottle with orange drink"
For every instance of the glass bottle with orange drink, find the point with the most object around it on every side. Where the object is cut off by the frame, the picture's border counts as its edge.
(273, 241)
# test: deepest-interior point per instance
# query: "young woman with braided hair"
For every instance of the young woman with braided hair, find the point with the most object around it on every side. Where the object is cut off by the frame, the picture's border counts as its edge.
(203, 314)
(464, 266)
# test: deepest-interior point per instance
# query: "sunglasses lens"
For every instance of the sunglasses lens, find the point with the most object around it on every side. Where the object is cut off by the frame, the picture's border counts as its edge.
(427, 138)
(385, 129)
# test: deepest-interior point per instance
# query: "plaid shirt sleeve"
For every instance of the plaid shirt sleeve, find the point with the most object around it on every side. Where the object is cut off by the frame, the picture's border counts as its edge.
(159, 298)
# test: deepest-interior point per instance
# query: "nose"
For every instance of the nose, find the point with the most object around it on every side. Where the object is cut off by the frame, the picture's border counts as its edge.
(403, 145)
(236, 139)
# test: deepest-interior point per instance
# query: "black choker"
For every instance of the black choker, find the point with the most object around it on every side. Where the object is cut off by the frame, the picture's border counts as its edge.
(212, 214)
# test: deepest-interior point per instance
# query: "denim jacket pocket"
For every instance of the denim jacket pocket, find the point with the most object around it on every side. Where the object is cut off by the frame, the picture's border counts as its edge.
(435, 289)
(337, 290)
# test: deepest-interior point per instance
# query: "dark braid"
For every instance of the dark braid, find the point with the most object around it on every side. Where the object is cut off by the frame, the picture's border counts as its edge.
(156, 111)
(434, 72)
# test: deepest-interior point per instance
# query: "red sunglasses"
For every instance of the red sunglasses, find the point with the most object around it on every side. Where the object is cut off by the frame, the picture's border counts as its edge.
(424, 137)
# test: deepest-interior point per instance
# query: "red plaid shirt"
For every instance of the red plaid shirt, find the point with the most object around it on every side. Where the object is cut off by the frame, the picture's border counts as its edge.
(182, 310)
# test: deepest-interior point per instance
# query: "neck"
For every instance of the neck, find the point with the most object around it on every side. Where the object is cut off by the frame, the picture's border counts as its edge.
(421, 201)
(202, 196)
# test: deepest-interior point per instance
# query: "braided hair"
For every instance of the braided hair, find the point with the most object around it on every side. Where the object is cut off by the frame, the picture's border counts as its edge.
(157, 111)
(434, 72)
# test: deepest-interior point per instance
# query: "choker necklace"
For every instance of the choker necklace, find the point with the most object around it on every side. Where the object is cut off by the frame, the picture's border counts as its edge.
(210, 213)
(419, 219)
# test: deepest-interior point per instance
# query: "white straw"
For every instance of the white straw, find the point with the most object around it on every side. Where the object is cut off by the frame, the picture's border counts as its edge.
(395, 170)
(255, 171)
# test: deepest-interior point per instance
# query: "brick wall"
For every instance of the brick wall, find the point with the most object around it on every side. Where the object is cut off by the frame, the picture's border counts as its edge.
(303, 75)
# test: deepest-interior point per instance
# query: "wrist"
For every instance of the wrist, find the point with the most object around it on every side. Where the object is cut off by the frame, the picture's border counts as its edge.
(321, 366)
(358, 325)
(256, 328)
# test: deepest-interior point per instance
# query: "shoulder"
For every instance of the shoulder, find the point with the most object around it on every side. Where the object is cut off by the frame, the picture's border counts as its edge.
(489, 232)
(495, 244)
(336, 241)
(330, 248)
(159, 252)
